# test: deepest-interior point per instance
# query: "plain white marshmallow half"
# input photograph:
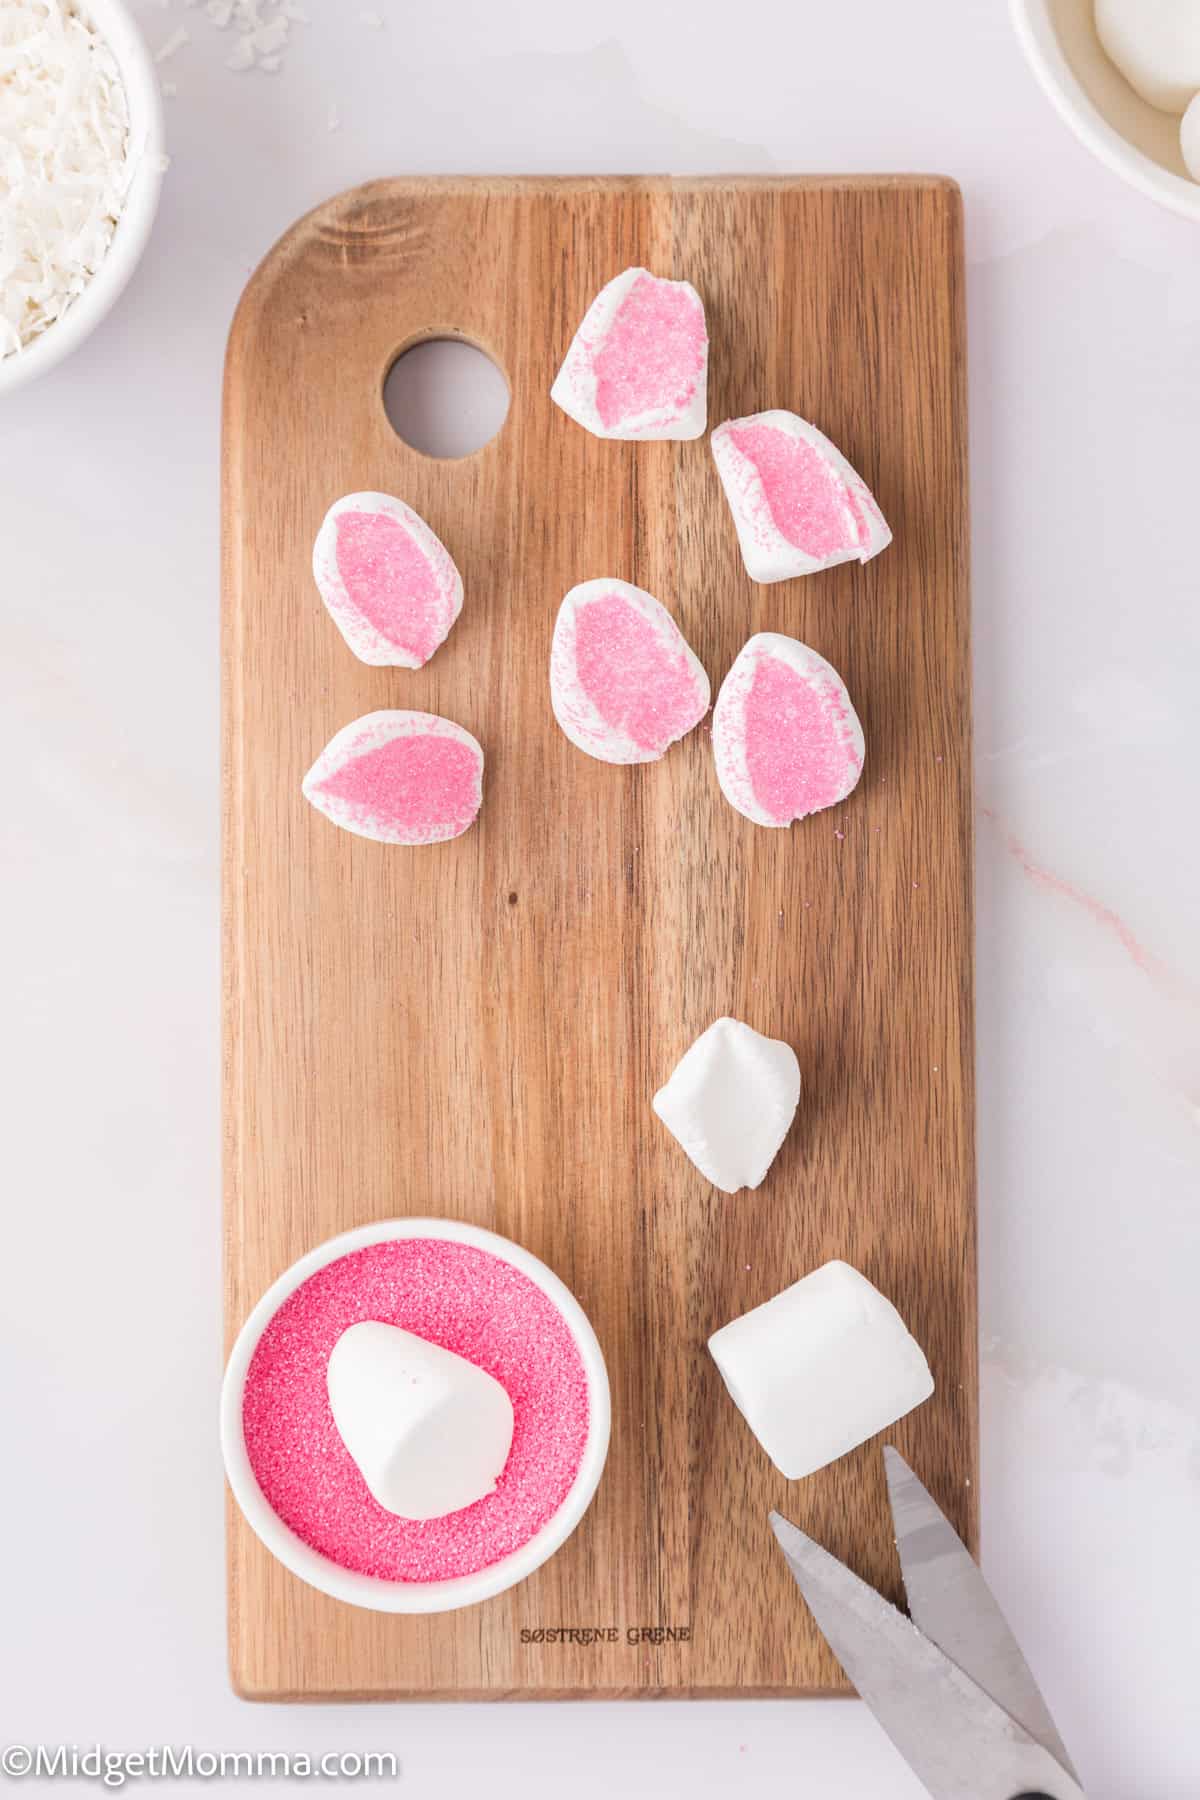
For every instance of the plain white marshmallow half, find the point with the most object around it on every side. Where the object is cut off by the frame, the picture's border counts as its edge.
(730, 1102)
(428, 1431)
(821, 1368)
(1156, 46)
(638, 365)
(798, 505)
(388, 582)
(624, 682)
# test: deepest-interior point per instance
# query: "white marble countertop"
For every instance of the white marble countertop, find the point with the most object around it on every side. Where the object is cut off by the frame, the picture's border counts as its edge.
(1084, 308)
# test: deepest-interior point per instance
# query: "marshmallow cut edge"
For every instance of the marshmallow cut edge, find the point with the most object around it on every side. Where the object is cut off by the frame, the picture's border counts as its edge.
(579, 713)
(574, 389)
(730, 727)
(769, 555)
(460, 781)
(369, 642)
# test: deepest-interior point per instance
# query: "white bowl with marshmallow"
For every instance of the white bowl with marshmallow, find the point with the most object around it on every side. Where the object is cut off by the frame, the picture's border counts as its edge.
(1130, 116)
(435, 1470)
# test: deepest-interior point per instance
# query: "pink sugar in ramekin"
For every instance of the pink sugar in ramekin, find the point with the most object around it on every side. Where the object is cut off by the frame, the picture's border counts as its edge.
(475, 1293)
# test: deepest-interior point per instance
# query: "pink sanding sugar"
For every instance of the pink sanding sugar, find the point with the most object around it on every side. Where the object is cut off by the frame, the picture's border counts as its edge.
(411, 783)
(469, 1301)
(390, 581)
(634, 681)
(807, 500)
(653, 352)
(795, 758)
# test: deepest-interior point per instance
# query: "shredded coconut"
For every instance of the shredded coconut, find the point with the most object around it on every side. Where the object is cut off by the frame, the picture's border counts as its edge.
(65, 162)
(173, 45)
(261, 30)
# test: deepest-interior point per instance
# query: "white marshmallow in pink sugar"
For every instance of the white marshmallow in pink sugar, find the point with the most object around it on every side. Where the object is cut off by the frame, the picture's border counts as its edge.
(786, 739)
(638, 365)
(399, 778)
(428, 1431)
(624, 683)
(797, 504)
(389, 582)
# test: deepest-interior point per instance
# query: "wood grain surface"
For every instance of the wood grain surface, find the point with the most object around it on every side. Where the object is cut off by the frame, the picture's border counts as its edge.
(475, 1029)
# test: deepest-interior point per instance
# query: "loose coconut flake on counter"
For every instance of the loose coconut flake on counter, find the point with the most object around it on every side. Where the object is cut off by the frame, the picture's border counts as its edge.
(261, 30)
(66, 162)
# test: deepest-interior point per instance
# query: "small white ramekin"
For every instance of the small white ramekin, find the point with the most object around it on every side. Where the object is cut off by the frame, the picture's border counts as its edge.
(113, 20)
(371, 1590)
(1133, 139)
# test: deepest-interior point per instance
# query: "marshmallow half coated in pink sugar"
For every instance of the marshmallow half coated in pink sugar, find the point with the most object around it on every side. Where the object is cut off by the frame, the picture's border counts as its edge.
(797, 504)
(638, 365)
(624, 684)
(399, 778)
(388, 581)
(786, 738)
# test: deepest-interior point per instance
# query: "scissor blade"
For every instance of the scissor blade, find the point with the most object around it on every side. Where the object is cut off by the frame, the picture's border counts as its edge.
(952, 1603)
(953, 1736)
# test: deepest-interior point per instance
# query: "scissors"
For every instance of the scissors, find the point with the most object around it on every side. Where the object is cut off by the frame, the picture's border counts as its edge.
(949, 1685)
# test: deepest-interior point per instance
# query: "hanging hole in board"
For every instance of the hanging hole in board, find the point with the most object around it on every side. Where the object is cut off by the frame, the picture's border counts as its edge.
(445, 397)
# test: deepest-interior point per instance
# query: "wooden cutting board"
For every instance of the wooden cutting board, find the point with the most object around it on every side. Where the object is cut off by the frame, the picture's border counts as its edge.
(475, 1029)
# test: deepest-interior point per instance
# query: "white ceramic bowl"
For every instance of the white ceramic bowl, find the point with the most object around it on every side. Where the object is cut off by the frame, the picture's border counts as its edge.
(115, 24)
(1136, 141)
(371, 1590)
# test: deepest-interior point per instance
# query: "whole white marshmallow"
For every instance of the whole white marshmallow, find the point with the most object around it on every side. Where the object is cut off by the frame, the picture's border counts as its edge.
(429, 1431)
(820, 1368)
(1156, 46)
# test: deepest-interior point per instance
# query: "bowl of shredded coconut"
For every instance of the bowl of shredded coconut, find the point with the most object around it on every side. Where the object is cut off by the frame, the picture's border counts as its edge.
(81, 162)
